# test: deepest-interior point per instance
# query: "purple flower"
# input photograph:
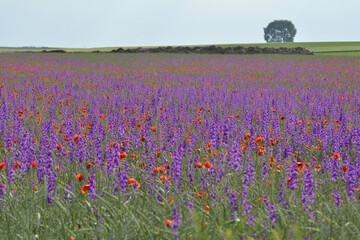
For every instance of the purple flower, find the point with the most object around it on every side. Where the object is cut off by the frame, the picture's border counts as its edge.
(293, 177)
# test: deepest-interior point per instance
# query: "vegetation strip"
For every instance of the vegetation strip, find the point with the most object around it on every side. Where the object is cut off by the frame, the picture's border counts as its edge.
(213, 49)
(338, 51)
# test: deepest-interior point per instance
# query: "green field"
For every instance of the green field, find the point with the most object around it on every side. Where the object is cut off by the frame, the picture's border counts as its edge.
(320, 48)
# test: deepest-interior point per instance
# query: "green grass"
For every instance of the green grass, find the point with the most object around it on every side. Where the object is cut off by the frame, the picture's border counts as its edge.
(320, 48)
(312, 46)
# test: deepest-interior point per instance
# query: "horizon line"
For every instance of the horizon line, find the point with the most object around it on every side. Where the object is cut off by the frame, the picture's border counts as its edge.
(170, 45)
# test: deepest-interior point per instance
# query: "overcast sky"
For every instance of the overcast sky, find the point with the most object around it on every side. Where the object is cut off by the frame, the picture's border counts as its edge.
(101, 23)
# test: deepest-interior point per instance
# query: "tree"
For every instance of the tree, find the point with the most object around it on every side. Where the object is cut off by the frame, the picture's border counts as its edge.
(280, 31)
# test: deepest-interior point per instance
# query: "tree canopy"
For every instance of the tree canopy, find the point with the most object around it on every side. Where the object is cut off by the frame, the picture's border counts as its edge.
(280, 31)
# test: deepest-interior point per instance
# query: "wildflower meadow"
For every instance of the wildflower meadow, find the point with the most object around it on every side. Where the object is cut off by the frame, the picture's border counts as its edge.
(176, 146)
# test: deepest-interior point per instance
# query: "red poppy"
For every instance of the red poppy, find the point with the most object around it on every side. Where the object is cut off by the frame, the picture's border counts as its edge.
(58, 147)
(33, 164)
(247, 136)
(300, 166)
(85, 189)
(123, 155)
(165, 178)
(142, 165)
(159, 170)
(345, 169)
(132, 181)
(260, 140)
(201, 194)
(16, 141)
(271, 164)
(143, 139)
(17, 165)
(153, 129)
(244, 148)
(3, 165)
(76, 139)
(169, 223)
(336, 156)
(289, 181)
(102, 116)
(207, 209)
(80, 177)
(205, 226)
(90, 164)
(272, 160)
(35, 188)
(317, 168)
(261, 152)
(208, 165)
(199, 165)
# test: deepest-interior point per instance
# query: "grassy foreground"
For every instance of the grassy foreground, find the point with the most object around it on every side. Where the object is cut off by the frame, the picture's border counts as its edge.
(320, 48)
